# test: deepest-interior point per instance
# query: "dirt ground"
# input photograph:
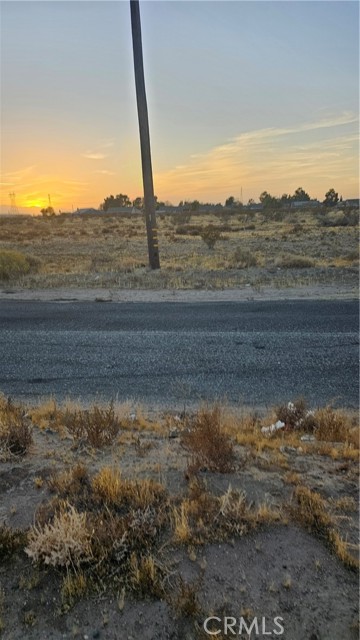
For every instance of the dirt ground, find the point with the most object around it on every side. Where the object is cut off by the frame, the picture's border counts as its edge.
(338, 291)
(278, 570)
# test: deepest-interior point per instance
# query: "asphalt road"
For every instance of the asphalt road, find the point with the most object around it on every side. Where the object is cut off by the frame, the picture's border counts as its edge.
(254, 353)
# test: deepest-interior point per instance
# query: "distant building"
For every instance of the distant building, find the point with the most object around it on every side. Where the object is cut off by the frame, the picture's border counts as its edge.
(87, 210)
(121, 210)
(352, 203)
(169, 209)
(305, 204)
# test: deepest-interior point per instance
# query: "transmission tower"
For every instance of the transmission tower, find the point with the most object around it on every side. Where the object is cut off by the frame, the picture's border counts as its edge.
(13, 208)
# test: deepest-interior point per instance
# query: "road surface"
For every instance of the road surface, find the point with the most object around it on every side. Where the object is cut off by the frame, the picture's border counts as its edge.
(250, 353)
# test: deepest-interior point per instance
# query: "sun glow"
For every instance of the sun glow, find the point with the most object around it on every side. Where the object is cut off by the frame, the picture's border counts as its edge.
(35, 203)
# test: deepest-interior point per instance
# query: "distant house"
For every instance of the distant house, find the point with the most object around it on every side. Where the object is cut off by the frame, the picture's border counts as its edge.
(352, 203)
(85, 211)
(305, 204)
(256, 206)
(169, 209)
(122, 210)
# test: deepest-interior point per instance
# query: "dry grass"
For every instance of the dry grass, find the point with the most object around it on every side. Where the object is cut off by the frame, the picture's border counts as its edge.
(102, 530)
(111, 251)
(185, 601)
(15, 430)
(335, 426)
(311, 510)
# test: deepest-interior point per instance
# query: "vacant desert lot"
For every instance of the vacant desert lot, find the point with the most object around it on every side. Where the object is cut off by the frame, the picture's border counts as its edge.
(284, 249)
(117, 525)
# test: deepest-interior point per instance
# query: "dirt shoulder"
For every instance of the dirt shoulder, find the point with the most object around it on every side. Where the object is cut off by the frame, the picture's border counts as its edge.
(65, 294)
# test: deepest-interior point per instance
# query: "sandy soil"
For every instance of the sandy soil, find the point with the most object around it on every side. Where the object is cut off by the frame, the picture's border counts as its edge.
(318, 292)
(277, 570)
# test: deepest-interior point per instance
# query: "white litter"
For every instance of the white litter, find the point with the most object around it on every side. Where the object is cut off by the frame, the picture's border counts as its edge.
(273, 427)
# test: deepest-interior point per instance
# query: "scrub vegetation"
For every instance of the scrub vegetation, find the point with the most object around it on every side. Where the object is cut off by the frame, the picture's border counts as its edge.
(121, 505)
(198, 251)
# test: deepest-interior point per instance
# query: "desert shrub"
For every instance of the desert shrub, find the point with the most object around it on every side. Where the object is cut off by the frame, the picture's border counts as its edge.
(189, 230)
(210, 235)
(98, 427)
(74, 486)
(297, 228)
(14, 264)
(244, 258)
(64, 542)
(184, 217)
(292, 261)
(346, 219)
(15, 429)
(296, 415)
(207, 442)
(11, 540)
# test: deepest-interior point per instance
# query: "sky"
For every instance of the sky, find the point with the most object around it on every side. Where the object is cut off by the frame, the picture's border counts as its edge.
(243, 96)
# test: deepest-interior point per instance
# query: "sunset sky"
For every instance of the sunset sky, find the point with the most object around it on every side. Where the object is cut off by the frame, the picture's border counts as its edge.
(242, 97)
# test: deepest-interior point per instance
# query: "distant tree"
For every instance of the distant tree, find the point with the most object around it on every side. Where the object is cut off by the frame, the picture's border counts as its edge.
(195, 205)
(229, 202)
(285, 199)
(138, 202)
(331, 198)
(301, 195)
(268, 201)
(251, 201)
(121, 200)
(47, 211)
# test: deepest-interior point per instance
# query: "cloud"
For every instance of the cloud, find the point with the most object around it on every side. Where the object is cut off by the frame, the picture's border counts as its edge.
(105, 172)
(13, 178)
(271, 158)
(106, 144)
(94, 155)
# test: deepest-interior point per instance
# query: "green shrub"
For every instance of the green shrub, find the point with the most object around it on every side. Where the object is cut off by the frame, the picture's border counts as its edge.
(14, 264)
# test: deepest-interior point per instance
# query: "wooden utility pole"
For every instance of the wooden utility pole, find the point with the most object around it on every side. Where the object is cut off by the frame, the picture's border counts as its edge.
(149, 200)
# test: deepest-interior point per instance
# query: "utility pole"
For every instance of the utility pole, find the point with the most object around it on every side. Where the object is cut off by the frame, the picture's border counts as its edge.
(13, 208)
(149, 200)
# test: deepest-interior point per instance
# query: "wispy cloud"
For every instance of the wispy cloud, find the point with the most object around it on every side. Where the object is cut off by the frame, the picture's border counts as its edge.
(105, 172)
(107, 144)
(271, 158)
(94, 155)
(13, 178)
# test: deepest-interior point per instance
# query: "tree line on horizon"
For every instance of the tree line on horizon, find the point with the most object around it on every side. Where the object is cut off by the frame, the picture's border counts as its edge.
(266, 199)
